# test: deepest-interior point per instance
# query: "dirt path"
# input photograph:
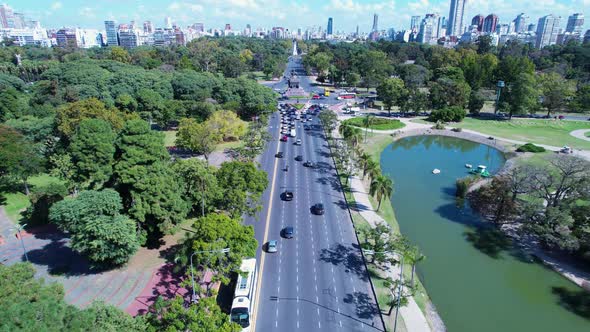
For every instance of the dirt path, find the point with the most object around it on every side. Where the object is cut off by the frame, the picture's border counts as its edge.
(580, 133)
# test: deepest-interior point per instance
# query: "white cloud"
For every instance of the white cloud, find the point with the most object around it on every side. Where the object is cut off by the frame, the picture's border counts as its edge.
(56, 5)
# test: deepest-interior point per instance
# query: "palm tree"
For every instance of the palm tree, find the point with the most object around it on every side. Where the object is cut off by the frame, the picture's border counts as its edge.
(381, 187)
(372, 170)
(354, 137)
(367, 121)
(363, 160)
(414, 256)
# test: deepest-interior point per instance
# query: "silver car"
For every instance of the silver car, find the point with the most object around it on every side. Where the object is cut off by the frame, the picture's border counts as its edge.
(272, 246)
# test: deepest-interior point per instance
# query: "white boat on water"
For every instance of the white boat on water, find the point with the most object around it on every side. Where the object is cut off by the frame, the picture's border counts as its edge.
(468, 166)
(436, 171)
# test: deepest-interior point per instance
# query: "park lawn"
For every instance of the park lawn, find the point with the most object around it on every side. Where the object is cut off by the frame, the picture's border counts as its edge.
(228, 145)
(170, 138)
(298, 106)
(548, 132)
(587, 134)
(16, 202)
(378, 123)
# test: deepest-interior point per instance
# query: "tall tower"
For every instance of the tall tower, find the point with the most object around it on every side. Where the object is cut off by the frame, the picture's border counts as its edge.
(330, 27)
(455, 22)
(375, 22)
(415, 23)
(478, 20)
(490, 23)
(547, 30)
(111, 30)
(520, 23)
(168, 22)
(575, 23)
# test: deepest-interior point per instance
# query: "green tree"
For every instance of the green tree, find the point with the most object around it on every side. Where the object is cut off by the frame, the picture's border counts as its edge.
(197, 137)
(392, 91)
(415, 101)
(329, 120)
(199, 184)
(381, 188)
(476, 103)
(581, 101)
(374, 68)
(227, 124)
(69, 116)
(119, 54)
(126, 102)
(18, 156)
(522, 95)
(150, 190)
(242, 185)
(92, 150)
(556, 92)
(203, 316)
(96, 227)
(353, 79)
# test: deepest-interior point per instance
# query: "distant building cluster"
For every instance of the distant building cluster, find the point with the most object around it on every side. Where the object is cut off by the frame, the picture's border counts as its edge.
(432, 28)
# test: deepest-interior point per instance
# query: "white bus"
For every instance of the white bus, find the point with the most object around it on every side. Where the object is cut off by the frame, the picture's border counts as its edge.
(245, 295)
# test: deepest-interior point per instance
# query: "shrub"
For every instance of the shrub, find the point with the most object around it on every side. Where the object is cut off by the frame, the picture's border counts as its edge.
(448, 114)
(457, 130)
(463, 185)
(529, 147)
(439, 125)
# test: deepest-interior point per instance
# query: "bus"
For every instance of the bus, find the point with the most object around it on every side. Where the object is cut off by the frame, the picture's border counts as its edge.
(245, 294)
(347, 95)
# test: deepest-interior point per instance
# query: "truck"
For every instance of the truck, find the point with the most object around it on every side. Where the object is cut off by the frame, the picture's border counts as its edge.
(293, 132)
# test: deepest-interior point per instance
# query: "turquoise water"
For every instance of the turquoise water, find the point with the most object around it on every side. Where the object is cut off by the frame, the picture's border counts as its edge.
(475, 277)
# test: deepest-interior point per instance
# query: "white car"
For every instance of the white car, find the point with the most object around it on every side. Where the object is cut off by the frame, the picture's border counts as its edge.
(298, 142)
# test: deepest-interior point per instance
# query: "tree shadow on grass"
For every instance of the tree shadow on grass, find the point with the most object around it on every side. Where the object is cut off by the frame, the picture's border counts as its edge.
(577, 302)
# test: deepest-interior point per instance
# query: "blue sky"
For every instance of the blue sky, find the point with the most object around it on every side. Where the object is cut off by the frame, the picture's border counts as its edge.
(291, 14)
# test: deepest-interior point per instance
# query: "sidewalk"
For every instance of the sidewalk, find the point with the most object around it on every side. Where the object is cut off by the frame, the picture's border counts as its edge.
(413, 317)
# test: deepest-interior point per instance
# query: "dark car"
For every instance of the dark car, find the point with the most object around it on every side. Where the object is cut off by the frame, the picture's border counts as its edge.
(305, 127)
(318, 209)
(288, 195)
(309, 164)
(299, 158)
(288, 232)
(279, 154)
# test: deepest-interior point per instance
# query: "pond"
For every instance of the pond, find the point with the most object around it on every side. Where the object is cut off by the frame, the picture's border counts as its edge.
(476, 278)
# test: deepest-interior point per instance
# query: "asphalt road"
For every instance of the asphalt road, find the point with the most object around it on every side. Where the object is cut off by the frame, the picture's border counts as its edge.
(317, 280)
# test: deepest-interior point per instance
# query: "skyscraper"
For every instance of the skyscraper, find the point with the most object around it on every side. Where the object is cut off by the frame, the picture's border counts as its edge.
(430, 28)
(490, 23)
(168, 22)
(520, 23)
(148, 27)
(455, 22)
(375, 22)
(330, 27)
(415, 23)
(477, 20)
(547, 30)
(112, 39)
(575, 23)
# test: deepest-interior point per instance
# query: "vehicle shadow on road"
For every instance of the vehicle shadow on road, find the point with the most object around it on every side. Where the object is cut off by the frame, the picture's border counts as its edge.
(350, 297)
(346, 255)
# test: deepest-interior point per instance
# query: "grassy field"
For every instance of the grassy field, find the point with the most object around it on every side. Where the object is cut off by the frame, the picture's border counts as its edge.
(549, 132)
(587, 134)
(170, 138)
(298, 106)
(377, 123)
(15, 201)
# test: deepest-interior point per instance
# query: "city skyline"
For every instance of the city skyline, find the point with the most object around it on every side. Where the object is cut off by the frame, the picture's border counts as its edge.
(346, 14)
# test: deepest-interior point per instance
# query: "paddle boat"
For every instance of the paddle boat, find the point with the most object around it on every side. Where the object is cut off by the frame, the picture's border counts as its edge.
(436, 171)
(468, 166)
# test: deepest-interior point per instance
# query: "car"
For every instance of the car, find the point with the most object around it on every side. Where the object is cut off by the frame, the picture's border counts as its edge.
(309, 164)
(288, 232)
(299, 158)
(318, 209)
(315, 97)
(561, 117)
(288, 195)
(306, 127)
(279, 154)
(272, 246)
(298, 141)
(283, 139)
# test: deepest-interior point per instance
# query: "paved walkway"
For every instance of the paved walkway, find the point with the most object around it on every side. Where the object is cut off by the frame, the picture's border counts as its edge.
(580, 133)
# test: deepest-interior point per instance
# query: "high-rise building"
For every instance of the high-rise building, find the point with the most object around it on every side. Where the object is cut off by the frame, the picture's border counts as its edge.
(6, 17)
(330, 27)
(199, 27)
(227, 27)
(520, 23)
(415, 23)
(455, 23)
(430, 29)
(502, 29)
(111, 30)
(19, 21)
(477, 20)
(66, 38)
(127, 37)
(375, 22)
(532, 27)
(490, 23)
(587, 37)
(547, 30)
(148, 27)
(575, 23)
(168, 22)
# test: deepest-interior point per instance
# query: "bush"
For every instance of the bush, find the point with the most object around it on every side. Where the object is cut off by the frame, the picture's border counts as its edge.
(439, 125)
(463, 185)
(529, 147)
(448, 114)
(457, 130)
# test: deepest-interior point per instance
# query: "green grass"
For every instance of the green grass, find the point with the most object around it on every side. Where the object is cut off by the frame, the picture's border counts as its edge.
(587, 134)
(377, 123)
(299, 97)
(169, 138)
(549, 132)
(16, 201)
(228, 145)
(298, 106)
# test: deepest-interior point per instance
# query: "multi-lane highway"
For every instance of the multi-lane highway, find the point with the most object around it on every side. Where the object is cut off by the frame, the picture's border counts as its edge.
(317, 280)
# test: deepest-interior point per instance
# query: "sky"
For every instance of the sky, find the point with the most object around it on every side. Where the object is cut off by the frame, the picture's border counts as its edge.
(347, 14)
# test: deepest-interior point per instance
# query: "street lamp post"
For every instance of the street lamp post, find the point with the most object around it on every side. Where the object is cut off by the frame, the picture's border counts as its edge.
(222, 251)
(18, 229)
(499, 86)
